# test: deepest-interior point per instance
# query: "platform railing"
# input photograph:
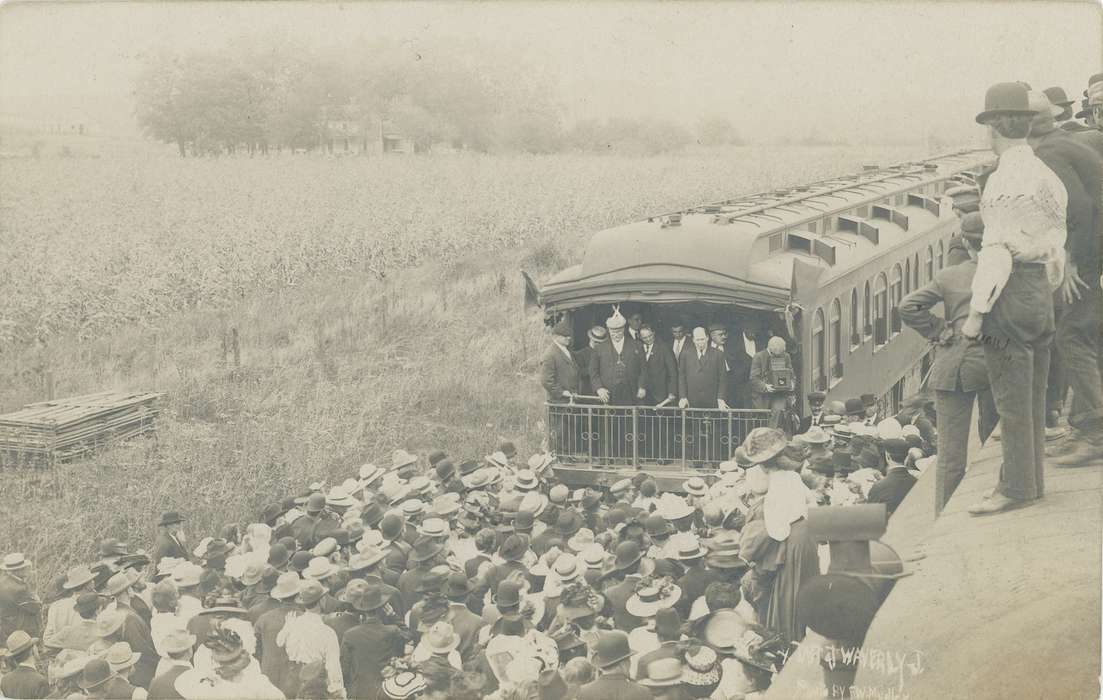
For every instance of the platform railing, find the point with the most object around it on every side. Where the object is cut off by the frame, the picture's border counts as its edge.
(648, 437)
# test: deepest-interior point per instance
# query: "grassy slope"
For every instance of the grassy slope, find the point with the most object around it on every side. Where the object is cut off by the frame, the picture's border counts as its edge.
(333, 373)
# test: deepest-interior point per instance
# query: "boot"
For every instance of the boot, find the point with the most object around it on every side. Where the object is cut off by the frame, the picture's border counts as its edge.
(1086, 452)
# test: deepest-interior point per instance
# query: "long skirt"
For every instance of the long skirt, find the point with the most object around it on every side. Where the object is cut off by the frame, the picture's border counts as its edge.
(800, 561)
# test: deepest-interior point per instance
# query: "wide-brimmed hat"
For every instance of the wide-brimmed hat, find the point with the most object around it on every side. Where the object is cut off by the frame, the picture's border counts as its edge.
(525, 480)
(580, 540)
(19, 641)
(170, 517)
(662, 673)
(400, 458)
(815, 435)
(1005, 98)
(684, 546)
(77, 577)
(763, 444)
(14, 562)
(120, 656)
(72, 662)
(534, 503)
(216, 548)
(441, 638)
(1058, 96)
(320, 568)
(425, 549)
(176, 641)
(611, 648)
(651, 597)
(118, 583)
(672, 507)
(540, 462)
(96, 672)
(568, 523)
(310, 592)
(433, 527)
(724, 551)
(186, 574)
(340, 497)
(287, 586)
(366, 557)
(404, 684)
(723, 630)
(695, 486)
(369, 473)
(514, 547)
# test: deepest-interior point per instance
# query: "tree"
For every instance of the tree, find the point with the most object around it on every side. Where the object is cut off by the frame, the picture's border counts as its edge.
(717, 131)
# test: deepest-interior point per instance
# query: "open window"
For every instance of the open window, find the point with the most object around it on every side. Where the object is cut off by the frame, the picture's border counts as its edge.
(855, 321)
(930, 263)
(835, 339)
(867, 317)
(819, 377)
(881, 311)
(896, 295)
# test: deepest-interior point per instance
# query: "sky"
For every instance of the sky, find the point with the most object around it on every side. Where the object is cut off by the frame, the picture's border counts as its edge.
(877, 70)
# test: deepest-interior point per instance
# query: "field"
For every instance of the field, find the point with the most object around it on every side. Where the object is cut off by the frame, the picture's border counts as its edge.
(303, 314)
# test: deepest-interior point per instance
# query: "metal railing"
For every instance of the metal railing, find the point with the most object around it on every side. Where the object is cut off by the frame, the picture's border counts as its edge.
(649, 437)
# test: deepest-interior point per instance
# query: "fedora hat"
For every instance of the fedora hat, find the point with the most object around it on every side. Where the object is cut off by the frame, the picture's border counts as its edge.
(1057, 96)
(695, 486)
(287, 586)
(1005, 98)
(763, 444)
(627, 554)
(662, 673)
(651, 597)
(339, 497)
(109, 621)
(19, 641)
(514, 547)
(401, 458)
(611, 648)
(425, 549)
(95, 673)
(319, 569)
(568, 523)
(456, 585)
(441, 638)
(367, 557)
(580, 540)
(369, 473)
(170, 517)
(685, 546)
(508, 594)
(187, 574)
(310, 592)
(118, 583)
(815, 435)
(77, 577)
(14, 562)
(120, 656)
(176, 641)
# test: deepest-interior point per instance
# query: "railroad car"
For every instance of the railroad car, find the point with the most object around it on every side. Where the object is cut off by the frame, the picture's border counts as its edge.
(824, 265)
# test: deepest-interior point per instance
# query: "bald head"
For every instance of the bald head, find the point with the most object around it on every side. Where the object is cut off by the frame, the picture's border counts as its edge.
(700, 338)
(776, 345)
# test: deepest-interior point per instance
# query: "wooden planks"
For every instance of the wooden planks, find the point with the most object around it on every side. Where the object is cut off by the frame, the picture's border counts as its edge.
(65, 428)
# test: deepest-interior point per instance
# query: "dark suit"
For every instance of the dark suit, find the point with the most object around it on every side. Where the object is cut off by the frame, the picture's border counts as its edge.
(167, 546)
(309, 530)
(808, 421)
(582, 361)
(467, 625)
(703, 381)
(20, 609)
(136, 633)
(613, 686)
(558, 373)
(24, 682)
(272, 657)
(739, 371)
(660, 380)
(616, 601)
(892, 489)
(163, 686)
(365, 650)
(622, 375)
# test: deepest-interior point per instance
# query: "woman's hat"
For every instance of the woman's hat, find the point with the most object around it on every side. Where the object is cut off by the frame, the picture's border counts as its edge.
(662, 673)
(441, 638)
(401, 458)
(96, 672)
(651, 597)
(404, 684)
(611, 648)
(763, 444)
(119, 656)
(815, 436)
(1005, 98)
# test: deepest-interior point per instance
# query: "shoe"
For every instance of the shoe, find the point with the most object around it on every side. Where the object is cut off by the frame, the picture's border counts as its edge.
(1062, 445)
(1056, 433)
(999, 503)
(1085, 454)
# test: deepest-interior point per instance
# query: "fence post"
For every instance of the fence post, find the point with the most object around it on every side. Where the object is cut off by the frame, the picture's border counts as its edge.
(683, 422)
(635, 437)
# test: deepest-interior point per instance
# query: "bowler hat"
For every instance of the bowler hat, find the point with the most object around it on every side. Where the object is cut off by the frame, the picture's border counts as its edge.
(457, 585)
(96, 672)
(523, 522)
(278, 555)
(611, 648)
(965, 197)
(817, 397)
(563, 327)
(372, 514)
(869, 400)
(426, 549)
(855, 406)
(436, 456)
(568, 524)
(1057, 96)
(508, 594)
(301, 559)
(1005, 98)
(972, 227)
(316, 503)
(170, 518)
(444, 469)
(508, 449)
(626, 554)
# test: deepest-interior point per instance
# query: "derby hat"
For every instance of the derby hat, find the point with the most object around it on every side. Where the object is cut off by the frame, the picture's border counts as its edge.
(868, 400)
(287, 586)
(655, 525)
(96, 672)
(444, 469)
(120, 656)
(300, 560)
(19, 641)
(170, 518)
(14, 562)
(626, 554)
(855, 407)
(763, 444)
(816, 397)
(662, 673)
(1005, 98)
(401, 458)
(372, 514)
(316, 503)
(611, 648)
(278, 556)
(650, 598)
(456, 585)
(77, 577)
(426, 549)
(695, 486)
(508, 594)
(1057, 96)
(390, 527)
(568, 523)
(523, 521)
(436, 456)
(310, 592)
(514, 547)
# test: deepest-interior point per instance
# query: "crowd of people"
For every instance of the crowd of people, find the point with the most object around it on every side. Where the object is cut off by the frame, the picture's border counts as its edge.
(440, 578)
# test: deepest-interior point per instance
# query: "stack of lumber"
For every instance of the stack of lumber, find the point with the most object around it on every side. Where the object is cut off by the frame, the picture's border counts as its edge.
(65, 428)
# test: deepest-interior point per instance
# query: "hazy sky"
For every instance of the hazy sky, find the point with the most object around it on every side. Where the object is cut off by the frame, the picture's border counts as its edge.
(846, 68)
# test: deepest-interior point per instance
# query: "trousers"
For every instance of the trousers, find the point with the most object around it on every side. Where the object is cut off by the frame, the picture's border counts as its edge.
(1056, 388)
(1078, 338)
(955, 411)
(1017, 334)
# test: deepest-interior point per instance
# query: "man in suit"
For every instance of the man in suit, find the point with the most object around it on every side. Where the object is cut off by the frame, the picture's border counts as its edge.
(171, 539)
(679, 342)
(559, 375)
(660, 373)
(612, 655)
(737, 365)
(635, 323)
(622, 581)
(595, 336)
(815, 406)
(616, 373)
(367, 648)
(20, 609)
(23, 681)
(702, 383)
(132, 629)
(177, 646)
(898, 481)
(272, 656)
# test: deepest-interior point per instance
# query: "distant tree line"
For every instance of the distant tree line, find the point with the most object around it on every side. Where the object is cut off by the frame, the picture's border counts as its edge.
(257, 100)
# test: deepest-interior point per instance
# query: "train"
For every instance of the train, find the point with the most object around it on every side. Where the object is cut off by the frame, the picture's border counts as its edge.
(823, 265)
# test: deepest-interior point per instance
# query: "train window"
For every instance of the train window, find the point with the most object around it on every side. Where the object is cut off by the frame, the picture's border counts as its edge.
(915, 272)
(855, 328)
(835, 339)
(777, 242)
(908, 276)
(799, 243)
(818, 352)
(940, 256)
(881, 311)
(867, 321)
(930, 263)
(896, 295)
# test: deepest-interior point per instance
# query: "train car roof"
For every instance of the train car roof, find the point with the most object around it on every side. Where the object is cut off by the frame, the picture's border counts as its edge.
(718, 252)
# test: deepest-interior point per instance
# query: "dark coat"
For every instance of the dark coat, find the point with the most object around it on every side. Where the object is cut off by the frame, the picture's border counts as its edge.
(760, 377)
(167, 546)
(115, 689)
(693, 584)
(261, 607)
(582, 361)
(738, 364)
(135, 632)
(163, 686)
(558, 373)
(309, 531)
(959, 365)
(892, 489)
(621, 374)
(467, 625)
(20, 609)
(660, 374)
(24, 682)
(272, 657)
(613, 686)
(808, 421)
(616, 601)
(703, 381)
(341, 622)
(365, 650)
